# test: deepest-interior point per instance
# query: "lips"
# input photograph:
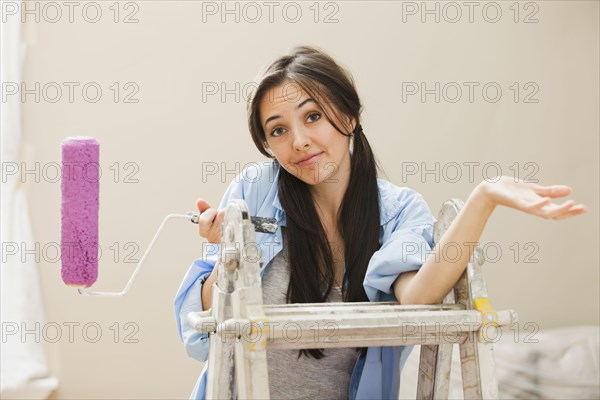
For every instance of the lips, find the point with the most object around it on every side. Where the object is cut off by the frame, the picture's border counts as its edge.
(308, 160)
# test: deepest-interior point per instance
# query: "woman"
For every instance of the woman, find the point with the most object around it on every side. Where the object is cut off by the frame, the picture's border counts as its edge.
(341, 229)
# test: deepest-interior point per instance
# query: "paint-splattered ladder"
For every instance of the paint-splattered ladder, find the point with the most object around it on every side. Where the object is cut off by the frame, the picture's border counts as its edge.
(241, 327)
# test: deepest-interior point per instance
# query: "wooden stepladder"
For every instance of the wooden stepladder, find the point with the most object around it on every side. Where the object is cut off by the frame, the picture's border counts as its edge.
(241, 327)
(478, 366)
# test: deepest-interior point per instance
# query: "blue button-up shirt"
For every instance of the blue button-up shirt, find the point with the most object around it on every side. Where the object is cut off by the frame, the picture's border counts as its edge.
(406, 237)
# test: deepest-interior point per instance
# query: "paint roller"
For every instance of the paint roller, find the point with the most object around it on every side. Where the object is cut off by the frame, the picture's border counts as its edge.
(80, 193)
(80, 190)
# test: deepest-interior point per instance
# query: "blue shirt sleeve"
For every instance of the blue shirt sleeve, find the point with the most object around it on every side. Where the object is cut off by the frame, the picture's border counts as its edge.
(406, 240)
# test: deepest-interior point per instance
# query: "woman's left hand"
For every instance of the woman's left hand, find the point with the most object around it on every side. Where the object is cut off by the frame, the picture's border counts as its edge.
(531, 198)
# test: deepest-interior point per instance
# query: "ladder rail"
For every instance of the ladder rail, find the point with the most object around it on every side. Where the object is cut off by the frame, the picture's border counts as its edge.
(241, 327)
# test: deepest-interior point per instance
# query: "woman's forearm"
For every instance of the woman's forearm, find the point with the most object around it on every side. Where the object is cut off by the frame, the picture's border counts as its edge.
(449, 258)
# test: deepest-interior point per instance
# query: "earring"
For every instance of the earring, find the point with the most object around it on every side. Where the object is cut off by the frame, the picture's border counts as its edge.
(357, 131)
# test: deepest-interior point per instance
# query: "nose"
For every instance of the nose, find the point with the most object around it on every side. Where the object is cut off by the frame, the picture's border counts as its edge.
(301, 139)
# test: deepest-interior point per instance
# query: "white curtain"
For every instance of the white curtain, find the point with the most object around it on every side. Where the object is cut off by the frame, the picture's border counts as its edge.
(23, 368)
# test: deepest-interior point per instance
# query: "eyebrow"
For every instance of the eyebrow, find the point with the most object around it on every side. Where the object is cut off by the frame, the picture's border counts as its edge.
(299, 106)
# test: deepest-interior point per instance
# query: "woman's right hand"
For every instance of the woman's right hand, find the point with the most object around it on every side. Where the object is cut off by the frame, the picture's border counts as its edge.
(210, 221)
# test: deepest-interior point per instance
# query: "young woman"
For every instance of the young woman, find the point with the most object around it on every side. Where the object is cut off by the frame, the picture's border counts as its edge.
(342, 230)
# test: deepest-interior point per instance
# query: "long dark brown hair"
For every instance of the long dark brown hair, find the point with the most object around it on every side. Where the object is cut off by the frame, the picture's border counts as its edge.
(309, 254)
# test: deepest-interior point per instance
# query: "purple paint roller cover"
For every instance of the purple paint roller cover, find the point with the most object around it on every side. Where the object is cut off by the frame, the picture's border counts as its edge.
(80, 190)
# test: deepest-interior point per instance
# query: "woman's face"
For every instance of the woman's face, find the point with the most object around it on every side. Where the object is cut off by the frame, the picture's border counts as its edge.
(301, 138)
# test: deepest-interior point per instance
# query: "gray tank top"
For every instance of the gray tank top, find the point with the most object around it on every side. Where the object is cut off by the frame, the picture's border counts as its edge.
(291, 377)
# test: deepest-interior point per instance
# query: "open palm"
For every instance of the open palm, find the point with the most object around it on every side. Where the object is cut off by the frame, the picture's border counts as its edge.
(533, 198)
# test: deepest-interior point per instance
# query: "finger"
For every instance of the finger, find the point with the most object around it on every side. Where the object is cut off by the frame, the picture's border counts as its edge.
(207, 217)
(582, 207)
(553, 191)
(572, 212)
(202, 205)
(538, 205)
(556, 210)
(220, 217)
(578, 207)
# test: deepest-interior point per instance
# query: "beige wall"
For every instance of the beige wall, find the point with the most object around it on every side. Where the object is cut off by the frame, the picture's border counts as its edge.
(171, 135)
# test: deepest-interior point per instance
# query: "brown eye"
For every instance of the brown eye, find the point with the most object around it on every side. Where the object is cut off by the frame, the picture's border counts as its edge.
(276, 132)
(314, 117)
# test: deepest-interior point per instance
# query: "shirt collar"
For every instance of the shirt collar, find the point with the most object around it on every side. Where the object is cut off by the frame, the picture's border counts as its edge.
(279, 213)
(389, 205)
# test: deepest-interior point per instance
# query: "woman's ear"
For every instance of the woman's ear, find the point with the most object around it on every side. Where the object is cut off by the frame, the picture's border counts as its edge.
(351, 122)
(268, 149)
